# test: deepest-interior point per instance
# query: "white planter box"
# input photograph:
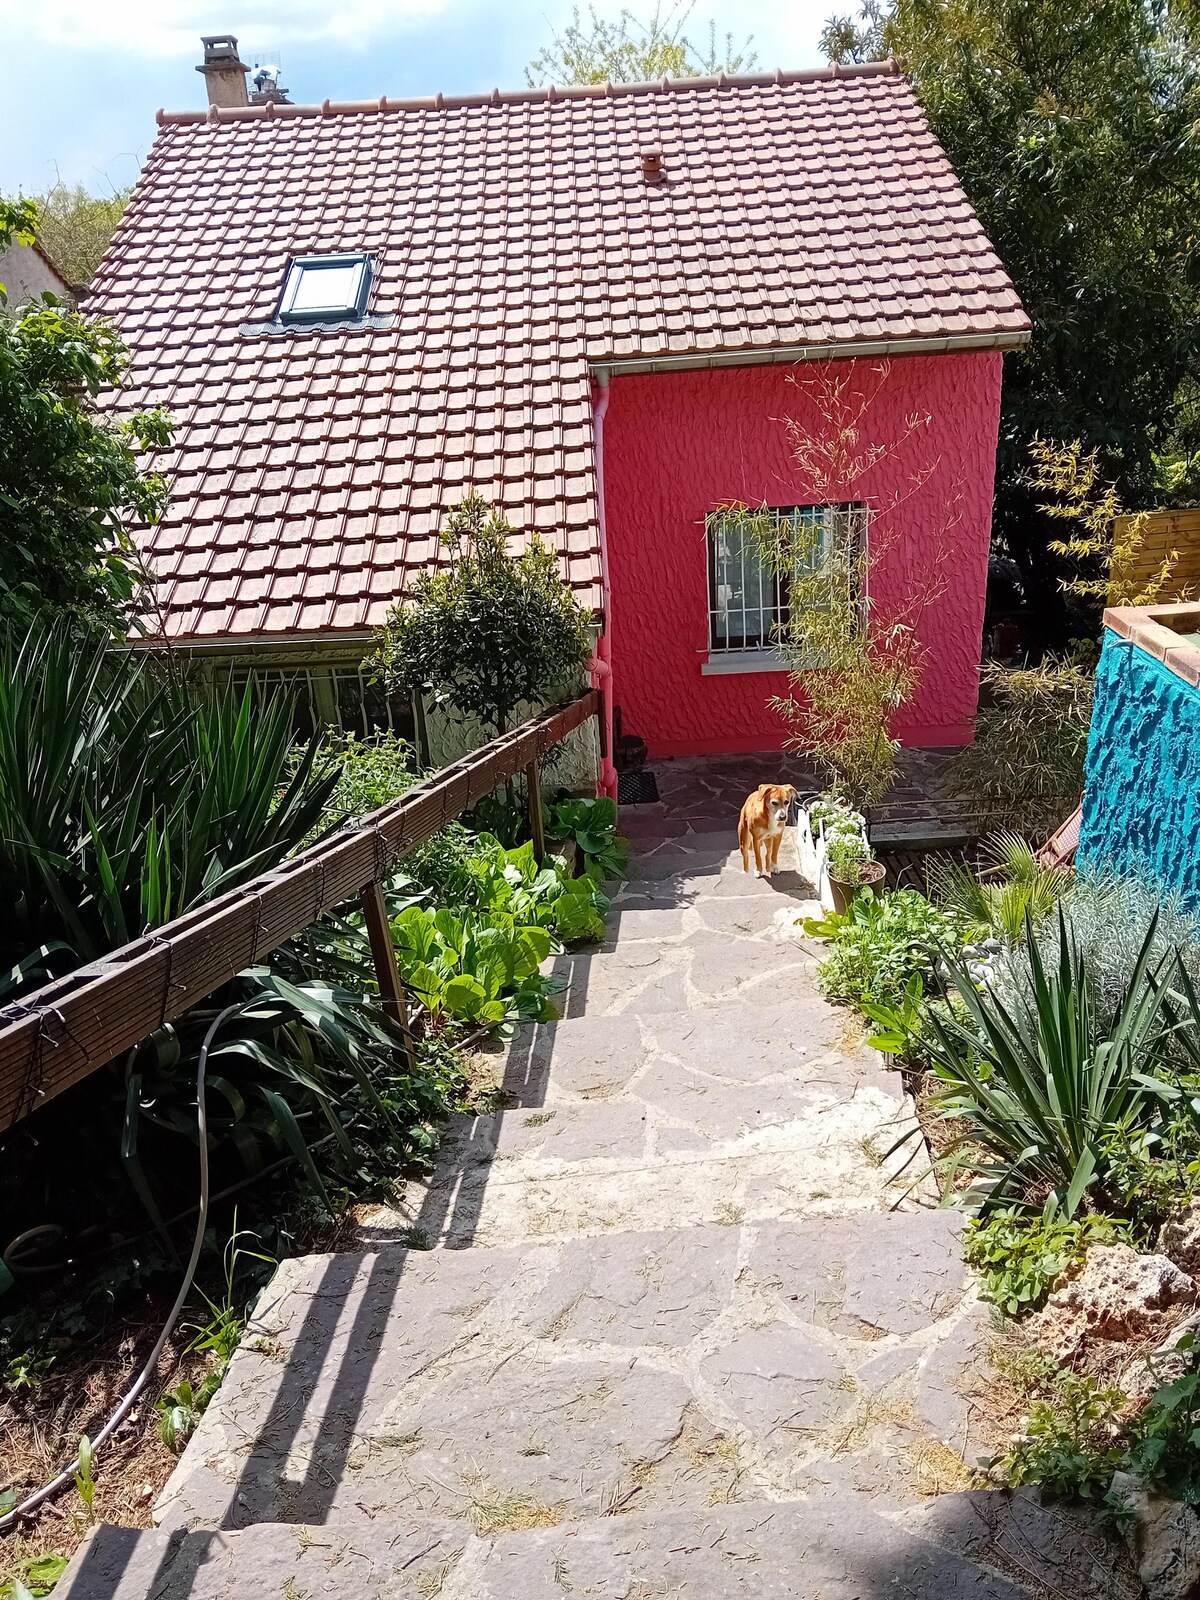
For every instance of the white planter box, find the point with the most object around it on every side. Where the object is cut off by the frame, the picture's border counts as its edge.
(811, 853)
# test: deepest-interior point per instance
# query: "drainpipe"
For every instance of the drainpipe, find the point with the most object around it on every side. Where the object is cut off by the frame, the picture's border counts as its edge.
(601, 664)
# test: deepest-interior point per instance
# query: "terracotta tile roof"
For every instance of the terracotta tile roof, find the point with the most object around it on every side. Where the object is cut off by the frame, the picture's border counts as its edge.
(518, 247)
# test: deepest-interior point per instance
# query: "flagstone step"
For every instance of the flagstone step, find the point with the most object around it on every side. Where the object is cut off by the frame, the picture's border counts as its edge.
(728, 1154)
(825, 1547)
(667, 1367)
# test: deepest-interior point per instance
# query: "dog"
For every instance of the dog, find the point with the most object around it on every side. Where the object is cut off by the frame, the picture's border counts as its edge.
(763, 819)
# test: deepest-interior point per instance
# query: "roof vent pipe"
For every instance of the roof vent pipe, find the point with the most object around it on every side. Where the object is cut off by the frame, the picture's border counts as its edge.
(652, 166)
(224, 73)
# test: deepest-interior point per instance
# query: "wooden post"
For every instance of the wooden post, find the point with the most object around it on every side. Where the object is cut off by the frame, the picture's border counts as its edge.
(383, 953)
(533, 786)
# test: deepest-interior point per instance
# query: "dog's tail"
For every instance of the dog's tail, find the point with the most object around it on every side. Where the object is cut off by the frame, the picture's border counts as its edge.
(744, 841)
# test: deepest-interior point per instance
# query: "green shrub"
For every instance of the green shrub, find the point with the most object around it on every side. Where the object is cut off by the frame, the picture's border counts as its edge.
(1109, 920)
(1050, 1082)
(1011, 890)
(1020, 1254)
(494, 631)
(374, 770)
(1074, 1438)
(881, 943)
(1024, 768)
(1165, 1453)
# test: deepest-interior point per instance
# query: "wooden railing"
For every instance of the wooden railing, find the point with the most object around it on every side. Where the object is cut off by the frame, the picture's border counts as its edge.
(54, 1037)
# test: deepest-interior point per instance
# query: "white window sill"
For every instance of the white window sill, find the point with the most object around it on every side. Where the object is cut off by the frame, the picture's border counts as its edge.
(722, 662)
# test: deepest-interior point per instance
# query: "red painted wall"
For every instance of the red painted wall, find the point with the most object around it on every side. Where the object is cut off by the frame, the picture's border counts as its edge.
(679, 444)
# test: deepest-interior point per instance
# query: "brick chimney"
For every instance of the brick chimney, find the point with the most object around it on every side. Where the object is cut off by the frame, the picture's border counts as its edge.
(224, 73)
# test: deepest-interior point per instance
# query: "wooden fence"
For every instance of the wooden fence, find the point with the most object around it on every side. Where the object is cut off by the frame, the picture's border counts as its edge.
(64, 1031)
(1161, 534)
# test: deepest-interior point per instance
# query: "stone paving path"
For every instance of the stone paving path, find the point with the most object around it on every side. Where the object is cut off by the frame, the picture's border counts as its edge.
(686, 1328)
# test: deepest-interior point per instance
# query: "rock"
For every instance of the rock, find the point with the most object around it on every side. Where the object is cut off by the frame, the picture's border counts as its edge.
(1179, 1239)
(1166, 1364)
(1164, 1539)
(1118, 1295)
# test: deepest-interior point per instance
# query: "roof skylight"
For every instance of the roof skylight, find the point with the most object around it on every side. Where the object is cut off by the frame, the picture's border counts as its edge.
(326, 289)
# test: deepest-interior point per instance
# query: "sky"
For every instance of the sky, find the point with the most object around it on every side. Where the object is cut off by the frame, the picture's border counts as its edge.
(83, 78)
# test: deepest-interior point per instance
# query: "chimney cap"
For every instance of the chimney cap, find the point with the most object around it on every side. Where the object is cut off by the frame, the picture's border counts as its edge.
(219, 47)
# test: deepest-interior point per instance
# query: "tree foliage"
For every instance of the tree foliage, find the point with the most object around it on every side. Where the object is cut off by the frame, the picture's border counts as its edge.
(629, 51)
(854, 647)
(1072, 128)
(69, 475)
(1104, 544)
(493, 631)
(74, 227)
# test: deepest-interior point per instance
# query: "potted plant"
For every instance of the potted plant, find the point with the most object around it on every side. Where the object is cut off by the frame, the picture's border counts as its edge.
(851, 867)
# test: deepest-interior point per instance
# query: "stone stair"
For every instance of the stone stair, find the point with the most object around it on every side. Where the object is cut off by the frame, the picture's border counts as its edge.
(683, 1321)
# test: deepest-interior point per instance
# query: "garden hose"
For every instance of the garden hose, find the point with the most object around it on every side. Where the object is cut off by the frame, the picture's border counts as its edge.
(67, 1475)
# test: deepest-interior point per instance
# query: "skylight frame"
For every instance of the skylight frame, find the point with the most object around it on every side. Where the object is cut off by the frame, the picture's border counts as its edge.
(352, 309)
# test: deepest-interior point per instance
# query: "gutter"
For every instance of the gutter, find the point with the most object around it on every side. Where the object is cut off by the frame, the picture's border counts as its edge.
(319, 640)
(779, 355)
(602, 663)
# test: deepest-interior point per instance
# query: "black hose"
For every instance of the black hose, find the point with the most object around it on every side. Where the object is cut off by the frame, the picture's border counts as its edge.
(66, 1476)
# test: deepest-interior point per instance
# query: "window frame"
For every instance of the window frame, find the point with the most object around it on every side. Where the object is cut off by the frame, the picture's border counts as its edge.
(294, 277)
(764, 654)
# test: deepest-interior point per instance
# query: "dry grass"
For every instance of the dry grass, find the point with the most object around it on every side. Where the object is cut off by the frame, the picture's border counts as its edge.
(40, 1431)
(509, 1511)
(940, 1470)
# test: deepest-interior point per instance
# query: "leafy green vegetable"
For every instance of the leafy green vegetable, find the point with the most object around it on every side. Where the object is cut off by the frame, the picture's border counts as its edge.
(593, 826)
(473, 970)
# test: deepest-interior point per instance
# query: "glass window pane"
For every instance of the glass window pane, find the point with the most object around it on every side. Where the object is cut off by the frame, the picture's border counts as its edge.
(742, 591)
(333, 288)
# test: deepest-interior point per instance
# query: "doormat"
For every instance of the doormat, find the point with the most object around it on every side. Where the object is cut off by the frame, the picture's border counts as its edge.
(637, 789)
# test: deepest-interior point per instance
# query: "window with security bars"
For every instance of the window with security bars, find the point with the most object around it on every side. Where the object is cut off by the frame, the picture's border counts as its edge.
(749, 601)
(347, 697)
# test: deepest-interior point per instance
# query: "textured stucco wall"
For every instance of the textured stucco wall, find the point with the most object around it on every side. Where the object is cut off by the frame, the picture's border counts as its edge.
(1141, 810)
(26, 274)
(679, 444)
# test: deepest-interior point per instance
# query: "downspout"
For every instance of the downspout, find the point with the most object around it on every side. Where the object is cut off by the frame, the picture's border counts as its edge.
(602, 661)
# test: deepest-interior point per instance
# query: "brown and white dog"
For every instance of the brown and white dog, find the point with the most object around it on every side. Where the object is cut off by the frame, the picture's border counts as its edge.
(763, 819)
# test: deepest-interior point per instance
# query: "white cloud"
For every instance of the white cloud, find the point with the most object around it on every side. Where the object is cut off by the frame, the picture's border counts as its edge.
(173, 27)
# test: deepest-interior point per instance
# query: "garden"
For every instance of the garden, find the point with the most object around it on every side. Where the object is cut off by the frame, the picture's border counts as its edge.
(132, 791)
(1048, 1028)
(1046, 1023)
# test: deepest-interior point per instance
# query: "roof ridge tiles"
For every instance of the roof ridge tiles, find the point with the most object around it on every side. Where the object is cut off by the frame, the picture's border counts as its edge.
(552, 92)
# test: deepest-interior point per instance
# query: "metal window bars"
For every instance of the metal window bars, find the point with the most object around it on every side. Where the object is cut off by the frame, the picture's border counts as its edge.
(749, 602)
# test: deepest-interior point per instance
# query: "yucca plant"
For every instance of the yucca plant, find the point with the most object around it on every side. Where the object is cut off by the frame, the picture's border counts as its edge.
(1011, 890)
(1048, 1081)
(128, 795)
